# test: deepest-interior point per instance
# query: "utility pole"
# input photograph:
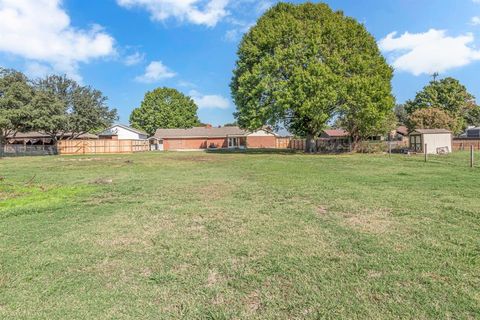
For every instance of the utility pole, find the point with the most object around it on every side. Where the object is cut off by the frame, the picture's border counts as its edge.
(435, 76)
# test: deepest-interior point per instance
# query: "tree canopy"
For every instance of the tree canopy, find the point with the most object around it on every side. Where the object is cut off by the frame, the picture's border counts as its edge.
(450, 96)
(63, 106)
(302, 66)
(165, 108)
(54, 105)
(432, 118)
(16, 94)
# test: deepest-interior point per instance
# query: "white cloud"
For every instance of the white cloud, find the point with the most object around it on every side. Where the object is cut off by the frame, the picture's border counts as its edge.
(429, 52)
(475, 21)
(209, 101)
(156, 71)
(36, 70)
(240, 27)
(134, 59)
(40, 32)
(201, 12)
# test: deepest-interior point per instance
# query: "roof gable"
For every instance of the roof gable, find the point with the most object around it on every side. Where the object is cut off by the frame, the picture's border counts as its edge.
(109, 131)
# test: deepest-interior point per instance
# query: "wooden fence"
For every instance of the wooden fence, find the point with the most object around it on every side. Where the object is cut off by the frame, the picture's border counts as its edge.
(103, 146)
(463, 144)
(283, 143)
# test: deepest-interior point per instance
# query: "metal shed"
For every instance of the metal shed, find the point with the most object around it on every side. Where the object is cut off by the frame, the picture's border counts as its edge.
(438, 141)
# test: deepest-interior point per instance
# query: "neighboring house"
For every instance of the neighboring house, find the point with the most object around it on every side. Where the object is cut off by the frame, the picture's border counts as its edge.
(40, 138)
(399, 134)
(208, 137)
(122, 132)
(335, 135)
(438, 141)
(473, 133)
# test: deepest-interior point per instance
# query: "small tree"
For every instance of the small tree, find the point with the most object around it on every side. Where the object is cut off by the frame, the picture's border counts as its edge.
(16, 95)
(401, 114)
(432, 118)
(165, 108)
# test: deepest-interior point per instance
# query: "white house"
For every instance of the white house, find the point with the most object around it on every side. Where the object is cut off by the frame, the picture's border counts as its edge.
(122, 132)
(438, 141)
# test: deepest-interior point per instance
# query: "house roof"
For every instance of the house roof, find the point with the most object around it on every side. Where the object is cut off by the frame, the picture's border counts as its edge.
(432, 131)
(200, 132)
(40, 135)
(402, 130)
(109, 132)
(336, 133)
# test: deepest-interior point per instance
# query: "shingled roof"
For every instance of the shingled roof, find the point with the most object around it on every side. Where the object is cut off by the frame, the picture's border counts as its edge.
(199, 132)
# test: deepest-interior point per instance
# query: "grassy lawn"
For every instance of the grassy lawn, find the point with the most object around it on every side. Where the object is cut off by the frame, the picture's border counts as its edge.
(235, 236)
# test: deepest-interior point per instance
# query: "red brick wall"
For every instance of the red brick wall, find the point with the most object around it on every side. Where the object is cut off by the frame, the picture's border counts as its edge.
(194, 143)
(262, 142)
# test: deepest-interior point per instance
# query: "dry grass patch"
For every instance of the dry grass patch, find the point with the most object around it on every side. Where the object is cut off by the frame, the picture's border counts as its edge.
(253, 302)
(214, 191)
(376, 221)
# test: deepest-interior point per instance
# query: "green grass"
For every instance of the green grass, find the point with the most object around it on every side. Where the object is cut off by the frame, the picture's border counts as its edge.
(239, 236)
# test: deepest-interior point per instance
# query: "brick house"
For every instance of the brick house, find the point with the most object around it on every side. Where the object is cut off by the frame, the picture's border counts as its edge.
(200, 138)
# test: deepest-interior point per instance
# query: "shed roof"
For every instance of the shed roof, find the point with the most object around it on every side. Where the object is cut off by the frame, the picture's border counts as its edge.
(199, 132)
(431, 131)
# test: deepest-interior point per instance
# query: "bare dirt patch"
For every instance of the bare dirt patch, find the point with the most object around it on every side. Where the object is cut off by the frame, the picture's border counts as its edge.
(322, 210)
(103, 181)
(213, 278)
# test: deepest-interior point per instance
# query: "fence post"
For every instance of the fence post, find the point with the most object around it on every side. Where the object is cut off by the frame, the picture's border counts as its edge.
(471, 156)
(425, 151)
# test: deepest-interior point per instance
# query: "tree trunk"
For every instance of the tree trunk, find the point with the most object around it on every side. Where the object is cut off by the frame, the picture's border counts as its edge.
(3, 142)
(355, 143)
(310, 144)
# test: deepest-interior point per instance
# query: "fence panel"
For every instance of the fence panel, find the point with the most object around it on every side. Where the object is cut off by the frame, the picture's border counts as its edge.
(21, 150)
(283, 143)
(463, 144)
(343, 146)
(102, 146)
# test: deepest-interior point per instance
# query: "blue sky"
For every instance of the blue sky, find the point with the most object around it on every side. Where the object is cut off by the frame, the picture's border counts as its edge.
(127, 47)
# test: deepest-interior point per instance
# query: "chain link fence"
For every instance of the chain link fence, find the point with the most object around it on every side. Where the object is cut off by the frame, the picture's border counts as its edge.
(21, 150)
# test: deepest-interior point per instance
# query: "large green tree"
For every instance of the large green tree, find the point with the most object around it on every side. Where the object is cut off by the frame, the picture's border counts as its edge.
(16, 94)
(301, 66)
(63, 106)
(165, 108)
(450, 96)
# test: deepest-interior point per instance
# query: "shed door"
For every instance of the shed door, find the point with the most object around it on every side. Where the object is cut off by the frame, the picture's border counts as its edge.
(416, 143)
